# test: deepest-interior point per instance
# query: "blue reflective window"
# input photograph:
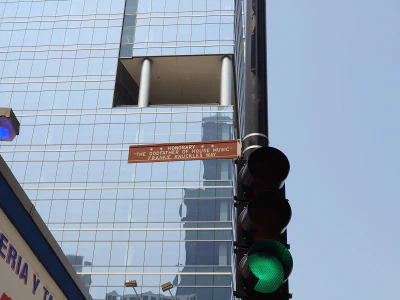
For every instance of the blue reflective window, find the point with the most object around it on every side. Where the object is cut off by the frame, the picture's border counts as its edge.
(64, 171)
(184, 33)
(156, 210)
(43, 208)
(95, 172)
(90, 210)
(169, 33)
(57, 213)
(200, 5)
(106, 211)
(123, 210)
(10, 10)
(10, 68)
(185, 6)
(153, 254)
(103, 7)
(100, 134)
(136, 253)
(76, 7)
(226, 32)
(126, 172)
(74, 211)
(114, 35)
(139, 210)
(119, 253)
(90, 7)
(58, 36)
(23, 9)
(85, 249)
(48, 172)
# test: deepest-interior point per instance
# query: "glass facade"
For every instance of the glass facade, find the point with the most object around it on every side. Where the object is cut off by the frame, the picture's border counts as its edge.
(177, 27)
(152, 222)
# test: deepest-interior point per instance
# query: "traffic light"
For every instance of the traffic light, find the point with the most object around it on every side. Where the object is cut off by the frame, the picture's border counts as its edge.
(263, 261)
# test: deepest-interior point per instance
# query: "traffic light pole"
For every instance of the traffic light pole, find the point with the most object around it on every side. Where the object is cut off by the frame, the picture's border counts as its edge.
(262, 211)
(256, 104)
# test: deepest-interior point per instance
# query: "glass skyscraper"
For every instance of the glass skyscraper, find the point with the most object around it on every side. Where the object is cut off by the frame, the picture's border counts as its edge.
(89, 78)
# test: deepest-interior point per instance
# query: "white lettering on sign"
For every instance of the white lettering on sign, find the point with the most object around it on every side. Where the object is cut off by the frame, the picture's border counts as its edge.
(180, 147)
(183, 154)
(226, 149)
(186, 151)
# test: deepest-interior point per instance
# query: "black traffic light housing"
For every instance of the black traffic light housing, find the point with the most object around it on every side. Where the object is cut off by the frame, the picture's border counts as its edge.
(263, 262)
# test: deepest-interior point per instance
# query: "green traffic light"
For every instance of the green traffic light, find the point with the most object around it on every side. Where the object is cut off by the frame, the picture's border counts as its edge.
(271, 263)
(269, 271)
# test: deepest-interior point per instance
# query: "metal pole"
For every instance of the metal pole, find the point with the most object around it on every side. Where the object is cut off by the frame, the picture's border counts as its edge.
(136, 293)
(144, 87)
(256, 108)
(171, 294)
(256, 101)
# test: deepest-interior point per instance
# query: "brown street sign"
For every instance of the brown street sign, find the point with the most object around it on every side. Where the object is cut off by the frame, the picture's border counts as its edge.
(184, 151)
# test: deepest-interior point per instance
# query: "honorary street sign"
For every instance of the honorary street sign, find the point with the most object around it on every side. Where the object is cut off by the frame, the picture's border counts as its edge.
(184, 151)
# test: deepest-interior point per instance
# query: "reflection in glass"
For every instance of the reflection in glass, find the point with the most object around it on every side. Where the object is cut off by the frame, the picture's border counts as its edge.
(111, 217)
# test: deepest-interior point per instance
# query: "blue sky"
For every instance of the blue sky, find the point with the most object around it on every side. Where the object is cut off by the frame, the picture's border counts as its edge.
(333, 79)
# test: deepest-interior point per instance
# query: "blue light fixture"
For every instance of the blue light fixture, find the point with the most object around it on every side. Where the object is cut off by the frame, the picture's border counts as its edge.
(9, 125)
